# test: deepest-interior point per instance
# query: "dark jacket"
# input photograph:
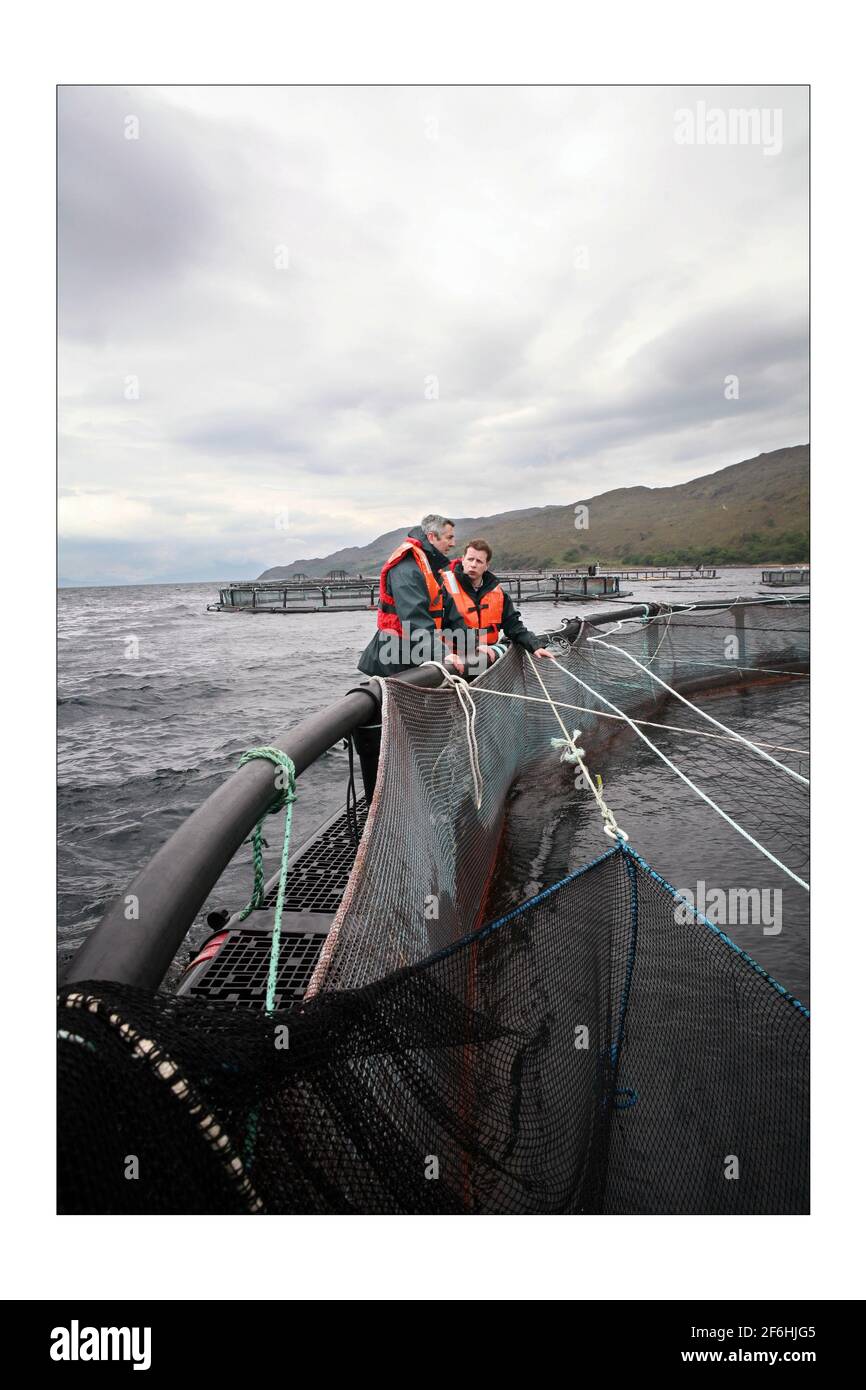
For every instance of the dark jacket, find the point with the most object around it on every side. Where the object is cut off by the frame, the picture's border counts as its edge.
(407, 587)
(512, 627)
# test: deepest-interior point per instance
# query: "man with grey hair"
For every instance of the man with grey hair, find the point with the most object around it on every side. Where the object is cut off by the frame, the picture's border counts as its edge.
(414, 613)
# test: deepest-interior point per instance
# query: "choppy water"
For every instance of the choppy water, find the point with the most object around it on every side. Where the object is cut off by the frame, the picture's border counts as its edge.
(158, 699)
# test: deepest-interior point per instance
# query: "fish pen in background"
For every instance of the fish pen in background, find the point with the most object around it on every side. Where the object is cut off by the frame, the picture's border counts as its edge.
(302, 596)
(796, 577)
(601, 1047)
(354, 595)
(568, 585)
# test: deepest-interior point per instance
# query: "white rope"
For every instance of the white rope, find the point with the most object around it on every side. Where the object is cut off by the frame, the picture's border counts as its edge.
(383, 693)
(715, 611)
(719, 725)
(621, 622)
(646, 621)
(461, 689)
(739, 828)
(646, 723)
(572, 754)
(722, 665)
(761, 670)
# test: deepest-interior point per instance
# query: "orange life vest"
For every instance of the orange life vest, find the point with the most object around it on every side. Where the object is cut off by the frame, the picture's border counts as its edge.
(386, 618)
(485, 614)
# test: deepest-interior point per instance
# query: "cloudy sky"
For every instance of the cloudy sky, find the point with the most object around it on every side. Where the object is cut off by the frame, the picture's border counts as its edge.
(293, 318)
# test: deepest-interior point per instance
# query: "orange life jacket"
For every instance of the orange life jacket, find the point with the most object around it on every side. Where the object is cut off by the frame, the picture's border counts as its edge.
(484, 613)
(386, 618)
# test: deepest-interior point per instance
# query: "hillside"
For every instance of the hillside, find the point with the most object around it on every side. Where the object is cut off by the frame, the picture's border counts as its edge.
(754, 512)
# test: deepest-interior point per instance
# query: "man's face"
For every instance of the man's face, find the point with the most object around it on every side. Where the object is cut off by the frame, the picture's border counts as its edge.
(475, 563)
(442, 543)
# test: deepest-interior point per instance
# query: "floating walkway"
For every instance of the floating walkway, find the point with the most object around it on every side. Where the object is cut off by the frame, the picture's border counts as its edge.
(362, 594)
(790, 577)
(649, 574)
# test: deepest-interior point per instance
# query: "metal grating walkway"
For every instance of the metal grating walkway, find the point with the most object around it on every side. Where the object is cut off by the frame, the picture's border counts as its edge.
(318, 876)
(237, 974)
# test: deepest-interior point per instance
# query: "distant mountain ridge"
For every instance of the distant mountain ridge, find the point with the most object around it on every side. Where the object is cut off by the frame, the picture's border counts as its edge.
(754, 512)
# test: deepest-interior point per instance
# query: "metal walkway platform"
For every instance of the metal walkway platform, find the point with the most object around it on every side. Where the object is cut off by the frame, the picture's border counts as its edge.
(232, 965)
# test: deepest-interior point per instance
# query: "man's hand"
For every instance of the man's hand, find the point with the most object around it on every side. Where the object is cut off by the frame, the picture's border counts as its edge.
(491, 650)
(452, 660)
(544, 651)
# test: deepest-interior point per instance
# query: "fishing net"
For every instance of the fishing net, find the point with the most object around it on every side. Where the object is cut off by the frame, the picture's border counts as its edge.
(600, 1048)
(588, 1053)
(425, 871)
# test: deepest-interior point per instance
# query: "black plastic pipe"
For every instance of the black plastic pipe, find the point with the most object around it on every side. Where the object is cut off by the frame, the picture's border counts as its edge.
(139, 936)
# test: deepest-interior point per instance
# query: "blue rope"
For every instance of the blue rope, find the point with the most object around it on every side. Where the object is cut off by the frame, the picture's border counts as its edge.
(482, 932)
(624, 1097)
(699, 917)
(631, 854)
(633, 948)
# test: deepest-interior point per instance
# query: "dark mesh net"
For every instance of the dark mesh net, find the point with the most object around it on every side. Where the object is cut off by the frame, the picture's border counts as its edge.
(588, 1053)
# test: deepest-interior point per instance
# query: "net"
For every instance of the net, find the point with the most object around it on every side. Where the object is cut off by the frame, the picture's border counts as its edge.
(599, 1049)
(425, 871)
(588, 1053)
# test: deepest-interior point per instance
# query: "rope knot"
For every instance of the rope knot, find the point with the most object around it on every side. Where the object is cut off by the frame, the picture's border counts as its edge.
(570, 751)
(283, 794)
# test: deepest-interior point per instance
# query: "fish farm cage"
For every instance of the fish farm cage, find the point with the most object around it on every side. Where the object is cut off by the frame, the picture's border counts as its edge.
(353, 595)
(795, 577)
(363, 1036)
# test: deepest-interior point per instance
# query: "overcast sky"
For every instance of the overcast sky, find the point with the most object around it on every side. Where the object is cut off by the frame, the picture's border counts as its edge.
(292, 319)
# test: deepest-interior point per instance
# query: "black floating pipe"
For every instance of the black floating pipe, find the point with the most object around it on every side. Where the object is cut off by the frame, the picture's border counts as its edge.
(168, 892)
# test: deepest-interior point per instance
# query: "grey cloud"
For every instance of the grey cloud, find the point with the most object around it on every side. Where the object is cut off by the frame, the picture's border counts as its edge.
(133, 214)
(411, 257)
(239, 434)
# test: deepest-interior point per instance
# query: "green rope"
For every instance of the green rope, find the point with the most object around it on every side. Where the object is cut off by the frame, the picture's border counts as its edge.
(285, 797)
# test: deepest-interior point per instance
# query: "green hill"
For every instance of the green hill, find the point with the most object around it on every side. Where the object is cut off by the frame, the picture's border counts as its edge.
(755, 512)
